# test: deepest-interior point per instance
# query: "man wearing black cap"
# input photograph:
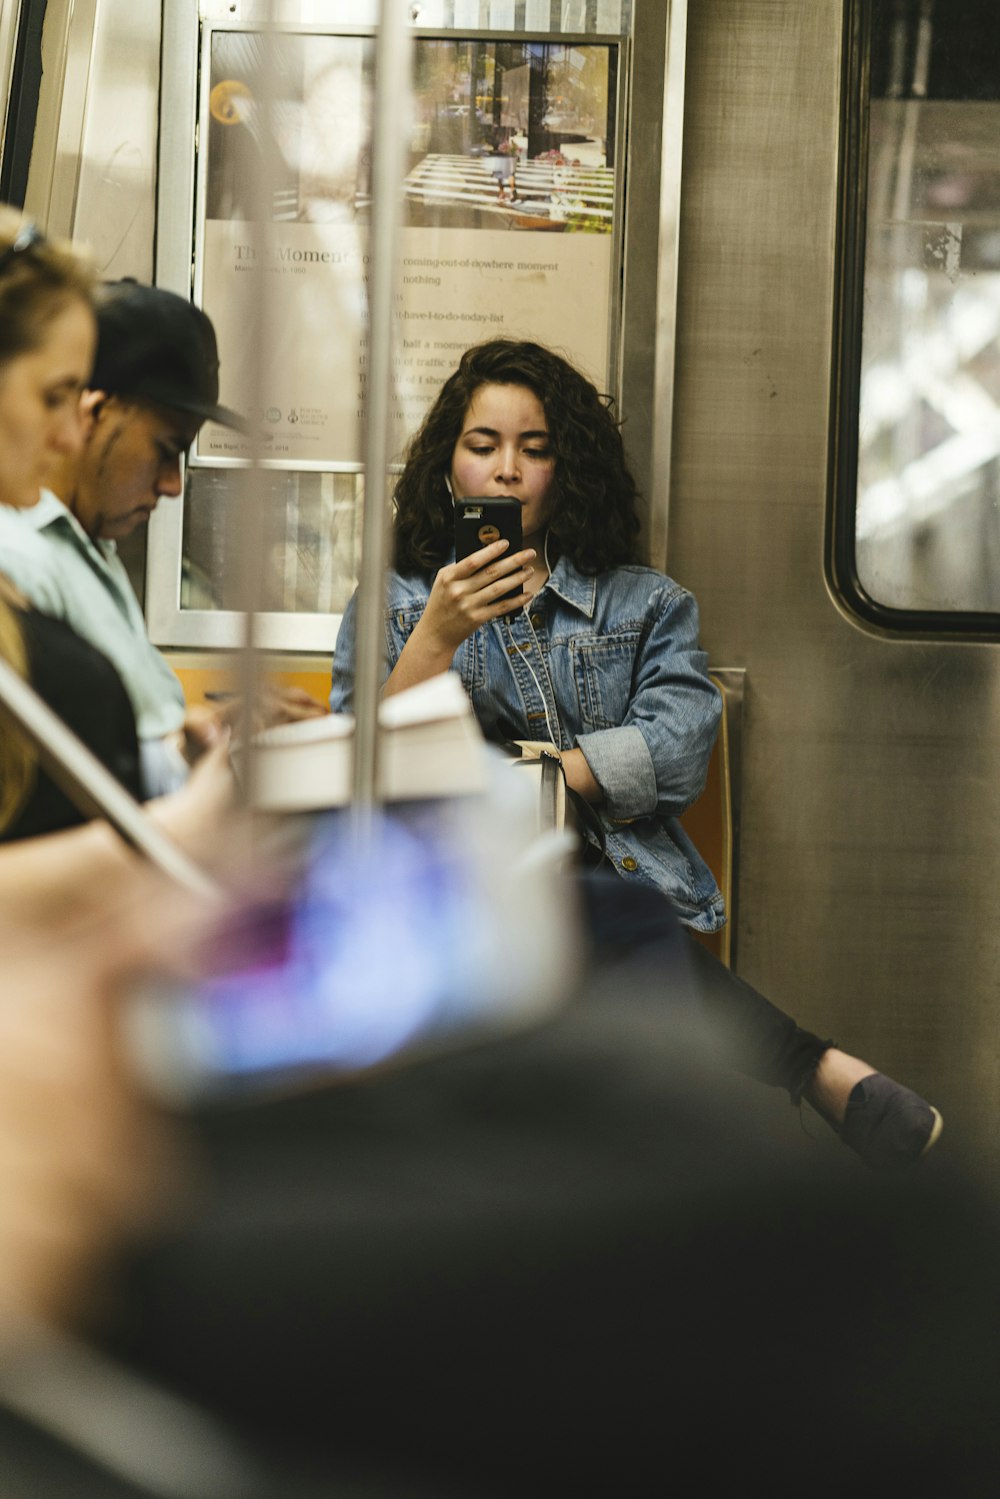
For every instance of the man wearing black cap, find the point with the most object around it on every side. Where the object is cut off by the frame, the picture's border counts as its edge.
(155, 380)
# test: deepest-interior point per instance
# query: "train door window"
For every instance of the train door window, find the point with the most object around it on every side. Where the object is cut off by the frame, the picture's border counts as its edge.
(916, 541)
(513, 216)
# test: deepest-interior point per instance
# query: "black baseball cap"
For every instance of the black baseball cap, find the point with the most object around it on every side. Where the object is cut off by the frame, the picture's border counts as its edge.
(155, 346)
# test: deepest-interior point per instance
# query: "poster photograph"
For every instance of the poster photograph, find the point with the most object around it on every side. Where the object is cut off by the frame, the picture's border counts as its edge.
(508, 212)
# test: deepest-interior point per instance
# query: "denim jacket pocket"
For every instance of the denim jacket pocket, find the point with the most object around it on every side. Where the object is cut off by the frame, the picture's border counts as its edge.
(399, 626)
(602, 670)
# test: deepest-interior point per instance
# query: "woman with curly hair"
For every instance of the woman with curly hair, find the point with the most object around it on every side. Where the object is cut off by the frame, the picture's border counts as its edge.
(599, 656)
(591, 507)
(605, 663)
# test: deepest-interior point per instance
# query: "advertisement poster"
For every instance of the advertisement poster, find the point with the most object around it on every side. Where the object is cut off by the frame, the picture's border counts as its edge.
(507, 226)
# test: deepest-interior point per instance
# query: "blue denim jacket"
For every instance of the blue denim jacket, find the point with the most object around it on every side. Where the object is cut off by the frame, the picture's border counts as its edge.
(610, 664)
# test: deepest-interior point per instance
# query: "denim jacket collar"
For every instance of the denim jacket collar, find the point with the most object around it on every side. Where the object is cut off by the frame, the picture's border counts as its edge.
(577, 589)
(573, 587)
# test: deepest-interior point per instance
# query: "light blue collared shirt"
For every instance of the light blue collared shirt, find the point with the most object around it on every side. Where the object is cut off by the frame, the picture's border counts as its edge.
(47, 554)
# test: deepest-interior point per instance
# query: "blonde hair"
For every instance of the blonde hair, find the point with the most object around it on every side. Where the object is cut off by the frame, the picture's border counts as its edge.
(17, 758)
(36, 284)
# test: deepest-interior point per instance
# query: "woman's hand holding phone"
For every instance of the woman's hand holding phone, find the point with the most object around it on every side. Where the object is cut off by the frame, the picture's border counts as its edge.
(476, 589)
(465, 595)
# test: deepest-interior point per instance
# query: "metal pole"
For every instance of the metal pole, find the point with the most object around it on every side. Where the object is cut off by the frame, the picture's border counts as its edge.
(252, 484)
(671, 151)
(390, 141)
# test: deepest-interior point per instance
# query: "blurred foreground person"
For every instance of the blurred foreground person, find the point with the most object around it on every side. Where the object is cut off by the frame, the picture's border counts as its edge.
(579, 1261)
(46, 350)
(87, 1167)
(575, 1261)
(81, 1160)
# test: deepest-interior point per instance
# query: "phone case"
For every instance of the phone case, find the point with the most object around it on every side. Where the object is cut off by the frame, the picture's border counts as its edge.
(480, 521)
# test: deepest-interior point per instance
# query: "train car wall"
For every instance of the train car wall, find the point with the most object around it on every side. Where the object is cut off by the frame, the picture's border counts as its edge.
(871, 782)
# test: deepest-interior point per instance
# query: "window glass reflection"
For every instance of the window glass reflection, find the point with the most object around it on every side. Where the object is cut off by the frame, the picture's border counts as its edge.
(509, 205)
(928, 519)
(312, 545)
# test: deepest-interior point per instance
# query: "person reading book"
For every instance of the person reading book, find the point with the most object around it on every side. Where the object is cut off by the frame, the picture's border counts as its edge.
(598, 655)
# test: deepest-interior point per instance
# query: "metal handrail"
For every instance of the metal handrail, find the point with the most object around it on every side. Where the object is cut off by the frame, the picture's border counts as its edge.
(391, 138)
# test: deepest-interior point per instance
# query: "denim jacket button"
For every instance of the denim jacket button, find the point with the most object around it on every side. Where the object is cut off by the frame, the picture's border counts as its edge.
(536, 620)
(629, 863)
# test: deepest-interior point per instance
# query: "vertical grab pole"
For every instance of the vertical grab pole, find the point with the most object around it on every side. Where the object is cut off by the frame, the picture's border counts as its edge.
(253, 482)
(391, 132)
(671, 150)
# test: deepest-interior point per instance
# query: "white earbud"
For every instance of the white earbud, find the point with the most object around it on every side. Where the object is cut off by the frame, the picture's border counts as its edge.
(447, 485)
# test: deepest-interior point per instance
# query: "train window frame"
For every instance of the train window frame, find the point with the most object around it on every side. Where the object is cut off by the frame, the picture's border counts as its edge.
(843, 574)
(20, 84)
(170, 624)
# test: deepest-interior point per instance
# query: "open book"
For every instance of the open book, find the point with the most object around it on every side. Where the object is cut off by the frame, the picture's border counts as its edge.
(432, 746)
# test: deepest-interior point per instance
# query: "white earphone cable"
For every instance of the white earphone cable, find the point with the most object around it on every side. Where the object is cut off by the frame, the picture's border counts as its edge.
(554, 734)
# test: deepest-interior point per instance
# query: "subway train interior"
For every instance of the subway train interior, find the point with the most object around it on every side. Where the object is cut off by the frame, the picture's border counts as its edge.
(769, 232)
(777, 244)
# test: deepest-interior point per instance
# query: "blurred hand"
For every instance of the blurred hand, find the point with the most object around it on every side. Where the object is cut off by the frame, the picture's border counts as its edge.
(204, 727)
(206, 724)
(288, 705)
(84, 1161)
(202, 814)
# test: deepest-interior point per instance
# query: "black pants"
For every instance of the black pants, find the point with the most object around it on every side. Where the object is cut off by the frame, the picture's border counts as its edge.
(632, 923)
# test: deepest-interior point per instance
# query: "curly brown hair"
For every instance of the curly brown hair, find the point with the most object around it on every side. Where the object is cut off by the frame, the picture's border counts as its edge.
(593, 519)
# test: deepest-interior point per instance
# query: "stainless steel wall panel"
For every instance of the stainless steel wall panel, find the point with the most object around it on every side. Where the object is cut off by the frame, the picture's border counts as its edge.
(870, 849)
(93, 165)
(116, 203)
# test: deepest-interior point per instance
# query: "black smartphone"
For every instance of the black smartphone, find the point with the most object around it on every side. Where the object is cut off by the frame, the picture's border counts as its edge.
(482, 520)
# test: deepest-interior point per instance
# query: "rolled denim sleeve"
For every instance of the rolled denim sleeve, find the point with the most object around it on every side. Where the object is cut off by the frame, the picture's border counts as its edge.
(405, 602)
(657, 760)
(342, 675)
